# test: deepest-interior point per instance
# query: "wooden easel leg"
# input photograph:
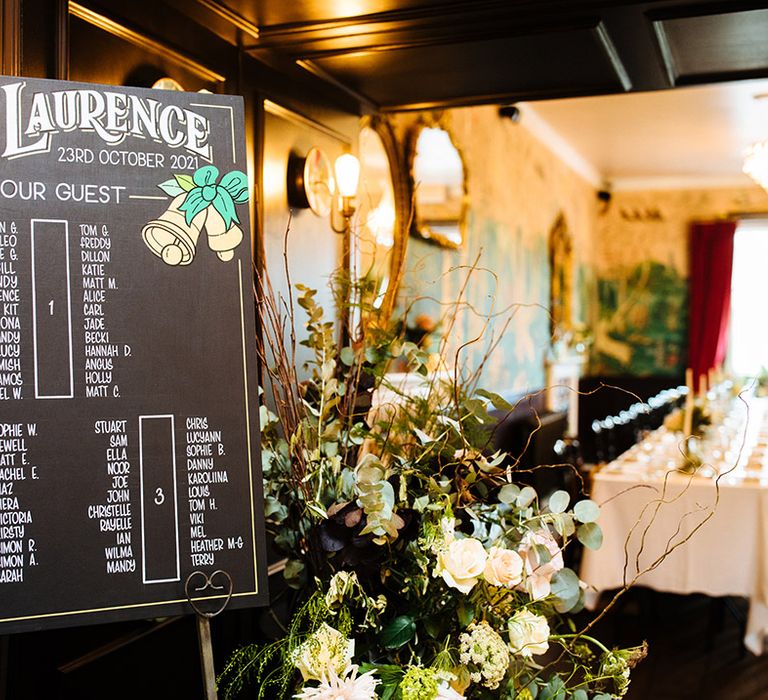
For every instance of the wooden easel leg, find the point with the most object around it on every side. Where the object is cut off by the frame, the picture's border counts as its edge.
(206, 657)
(5, 642)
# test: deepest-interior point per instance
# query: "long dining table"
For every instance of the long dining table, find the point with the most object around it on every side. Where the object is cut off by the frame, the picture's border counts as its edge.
(702, 532)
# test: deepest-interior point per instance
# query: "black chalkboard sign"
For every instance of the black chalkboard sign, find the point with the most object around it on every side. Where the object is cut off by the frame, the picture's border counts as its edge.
(129, 442)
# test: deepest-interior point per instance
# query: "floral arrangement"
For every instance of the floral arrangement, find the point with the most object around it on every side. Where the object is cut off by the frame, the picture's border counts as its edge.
(422, 571)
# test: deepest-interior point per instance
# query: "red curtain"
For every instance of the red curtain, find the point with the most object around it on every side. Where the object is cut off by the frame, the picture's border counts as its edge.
(711, 255)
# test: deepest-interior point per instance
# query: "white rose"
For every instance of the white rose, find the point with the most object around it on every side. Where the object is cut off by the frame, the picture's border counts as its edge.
(538, 574)
(461, 563)
(504, 567)
(324, 651)
(528, 634)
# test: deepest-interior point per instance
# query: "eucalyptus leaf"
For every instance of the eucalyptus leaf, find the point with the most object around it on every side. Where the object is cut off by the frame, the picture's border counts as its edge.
(566, 589)
(563, 523)
(559, 501)
(347, 356)
(508, 493)
(580, 694)
(586, 511)
(286, 538)
(294, 574)
(498, 402)
(398, 632)
(590, 535)
(554, 690)
(543, 555)
(580, 603)
(274, 509)
(526, 497)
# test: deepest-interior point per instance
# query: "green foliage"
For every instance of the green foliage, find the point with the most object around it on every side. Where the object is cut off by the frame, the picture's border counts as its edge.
(368, 484)
(270, 667)
(398, 632)
(590, 535)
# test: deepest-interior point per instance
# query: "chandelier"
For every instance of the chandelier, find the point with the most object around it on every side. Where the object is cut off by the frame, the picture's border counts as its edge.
(756, 163)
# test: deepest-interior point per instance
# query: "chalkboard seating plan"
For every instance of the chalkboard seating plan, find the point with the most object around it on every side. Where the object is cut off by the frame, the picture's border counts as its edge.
(129, 451)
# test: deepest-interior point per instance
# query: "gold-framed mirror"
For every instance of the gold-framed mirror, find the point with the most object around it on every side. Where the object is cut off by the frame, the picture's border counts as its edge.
(380, 236)
(437, 176)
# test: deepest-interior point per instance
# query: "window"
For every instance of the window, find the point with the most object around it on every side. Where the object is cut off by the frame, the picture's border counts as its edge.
(748, 352)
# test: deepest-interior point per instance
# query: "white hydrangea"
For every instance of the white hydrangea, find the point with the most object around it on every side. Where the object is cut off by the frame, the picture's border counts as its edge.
(486, 654)
(325, 651)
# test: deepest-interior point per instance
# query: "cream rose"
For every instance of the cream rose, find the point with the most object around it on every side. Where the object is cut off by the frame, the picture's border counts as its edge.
(538, 574)
(461, 563)
(528, 634)
(503, 568)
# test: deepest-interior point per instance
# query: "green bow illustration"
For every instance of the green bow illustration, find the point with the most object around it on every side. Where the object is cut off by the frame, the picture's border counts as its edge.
(203, 191)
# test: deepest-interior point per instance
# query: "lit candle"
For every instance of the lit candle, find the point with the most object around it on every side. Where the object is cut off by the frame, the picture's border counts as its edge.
(703, 387)
(688, 416)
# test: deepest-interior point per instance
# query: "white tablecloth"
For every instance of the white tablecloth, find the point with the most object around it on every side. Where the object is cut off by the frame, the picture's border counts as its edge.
(642, 518)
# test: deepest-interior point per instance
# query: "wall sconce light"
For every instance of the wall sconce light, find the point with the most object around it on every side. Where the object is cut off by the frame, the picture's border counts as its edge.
(311, 184)
(347, 169)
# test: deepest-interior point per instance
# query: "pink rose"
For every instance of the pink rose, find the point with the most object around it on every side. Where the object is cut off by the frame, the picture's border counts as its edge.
(538, 574)
(503, 568)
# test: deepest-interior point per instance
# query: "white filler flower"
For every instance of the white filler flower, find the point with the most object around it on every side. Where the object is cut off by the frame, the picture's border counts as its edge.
(486, 654)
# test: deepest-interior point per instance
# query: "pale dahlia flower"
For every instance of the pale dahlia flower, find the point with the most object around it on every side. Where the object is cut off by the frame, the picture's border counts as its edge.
(348, 686)
(324, 652)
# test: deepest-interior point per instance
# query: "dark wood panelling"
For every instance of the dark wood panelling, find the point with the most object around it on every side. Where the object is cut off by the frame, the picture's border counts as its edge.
(713, 47)
(345, 44)
(10, 37)
(524, 67)
(265, 13)
(133, 60)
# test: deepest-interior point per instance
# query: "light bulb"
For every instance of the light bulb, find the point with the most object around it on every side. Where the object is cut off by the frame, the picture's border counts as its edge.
(347, 169)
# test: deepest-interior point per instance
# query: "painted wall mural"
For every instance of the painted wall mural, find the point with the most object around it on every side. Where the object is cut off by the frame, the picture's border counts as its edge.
(519, 294)
(517, 190)
(640, 318)
(642, 321)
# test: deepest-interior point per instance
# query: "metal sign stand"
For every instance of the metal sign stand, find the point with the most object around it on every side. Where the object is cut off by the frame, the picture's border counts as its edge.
(223, 589)
(206, 657)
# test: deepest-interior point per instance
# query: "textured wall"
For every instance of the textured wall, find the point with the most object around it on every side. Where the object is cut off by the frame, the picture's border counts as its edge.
(641, 265)
(517, 188)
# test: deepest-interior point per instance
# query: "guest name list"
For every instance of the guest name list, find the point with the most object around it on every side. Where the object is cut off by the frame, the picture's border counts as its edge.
(129, 454)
